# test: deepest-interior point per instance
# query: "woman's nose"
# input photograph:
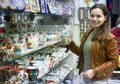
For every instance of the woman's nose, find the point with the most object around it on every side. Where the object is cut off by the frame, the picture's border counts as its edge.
(94, 18)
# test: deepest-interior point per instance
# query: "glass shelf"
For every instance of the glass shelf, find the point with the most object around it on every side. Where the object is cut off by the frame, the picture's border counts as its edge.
(55, 67)
(31, 51)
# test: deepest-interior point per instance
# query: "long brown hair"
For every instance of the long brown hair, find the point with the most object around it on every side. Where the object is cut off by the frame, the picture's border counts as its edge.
(104, 29)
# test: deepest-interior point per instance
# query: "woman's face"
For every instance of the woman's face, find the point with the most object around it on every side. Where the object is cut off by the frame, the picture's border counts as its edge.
(97, 18)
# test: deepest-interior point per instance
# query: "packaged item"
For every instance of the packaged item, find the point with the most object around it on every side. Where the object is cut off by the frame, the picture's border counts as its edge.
(27, 6)
(20, 4)
(4, 4)
(12, 4)
(33, 6)
(42, 6)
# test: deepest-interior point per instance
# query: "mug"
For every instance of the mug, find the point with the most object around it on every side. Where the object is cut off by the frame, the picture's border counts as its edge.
(32, 73)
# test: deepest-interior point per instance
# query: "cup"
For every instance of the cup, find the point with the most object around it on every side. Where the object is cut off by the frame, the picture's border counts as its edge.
(32, 73)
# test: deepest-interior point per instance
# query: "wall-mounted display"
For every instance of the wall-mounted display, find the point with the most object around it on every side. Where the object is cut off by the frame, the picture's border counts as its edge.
(87, 13)
(82, 26)
(84, 17)
(88, 25)
(81, 13)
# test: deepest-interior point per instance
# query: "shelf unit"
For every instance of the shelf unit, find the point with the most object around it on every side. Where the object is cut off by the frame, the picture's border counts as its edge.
(55, 67)
(41, 49)
(59, 16)
(44, 48)
(31, 51)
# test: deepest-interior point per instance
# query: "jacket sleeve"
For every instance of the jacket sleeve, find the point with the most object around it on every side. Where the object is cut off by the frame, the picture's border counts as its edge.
(77, 49)
(74, 48)
(112, 58)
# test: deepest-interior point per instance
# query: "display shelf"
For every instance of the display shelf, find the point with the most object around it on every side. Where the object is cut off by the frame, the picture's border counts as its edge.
(59, 77)
(116, 72)
(115, 78)
(50, 47)
(111, 81)
(56, 65)
(31, 51)
(56, 69)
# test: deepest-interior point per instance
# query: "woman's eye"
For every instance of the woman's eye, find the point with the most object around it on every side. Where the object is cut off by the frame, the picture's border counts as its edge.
(98, 16)
(91, 15)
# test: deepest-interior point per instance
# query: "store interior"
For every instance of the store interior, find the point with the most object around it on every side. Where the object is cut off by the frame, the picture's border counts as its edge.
(32, 34)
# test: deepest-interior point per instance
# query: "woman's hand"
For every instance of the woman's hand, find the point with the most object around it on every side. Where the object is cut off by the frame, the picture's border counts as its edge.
(89, 74)
(66, 40)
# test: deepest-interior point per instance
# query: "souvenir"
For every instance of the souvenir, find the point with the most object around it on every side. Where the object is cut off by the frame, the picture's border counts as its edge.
(87, 13)
(37, 6)
(12, 4)
(88, 25)
(4, 4)
(32, 73)
(27, 6)
(81, 13)
(20, 4)
(42, 6)
(82, 26)
(33, 6)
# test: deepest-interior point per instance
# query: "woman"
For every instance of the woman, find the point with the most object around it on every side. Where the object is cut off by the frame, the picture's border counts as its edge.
(98, 52)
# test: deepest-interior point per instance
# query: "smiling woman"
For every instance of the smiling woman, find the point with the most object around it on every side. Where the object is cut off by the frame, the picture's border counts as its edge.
(98, 52)
(97, 18)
